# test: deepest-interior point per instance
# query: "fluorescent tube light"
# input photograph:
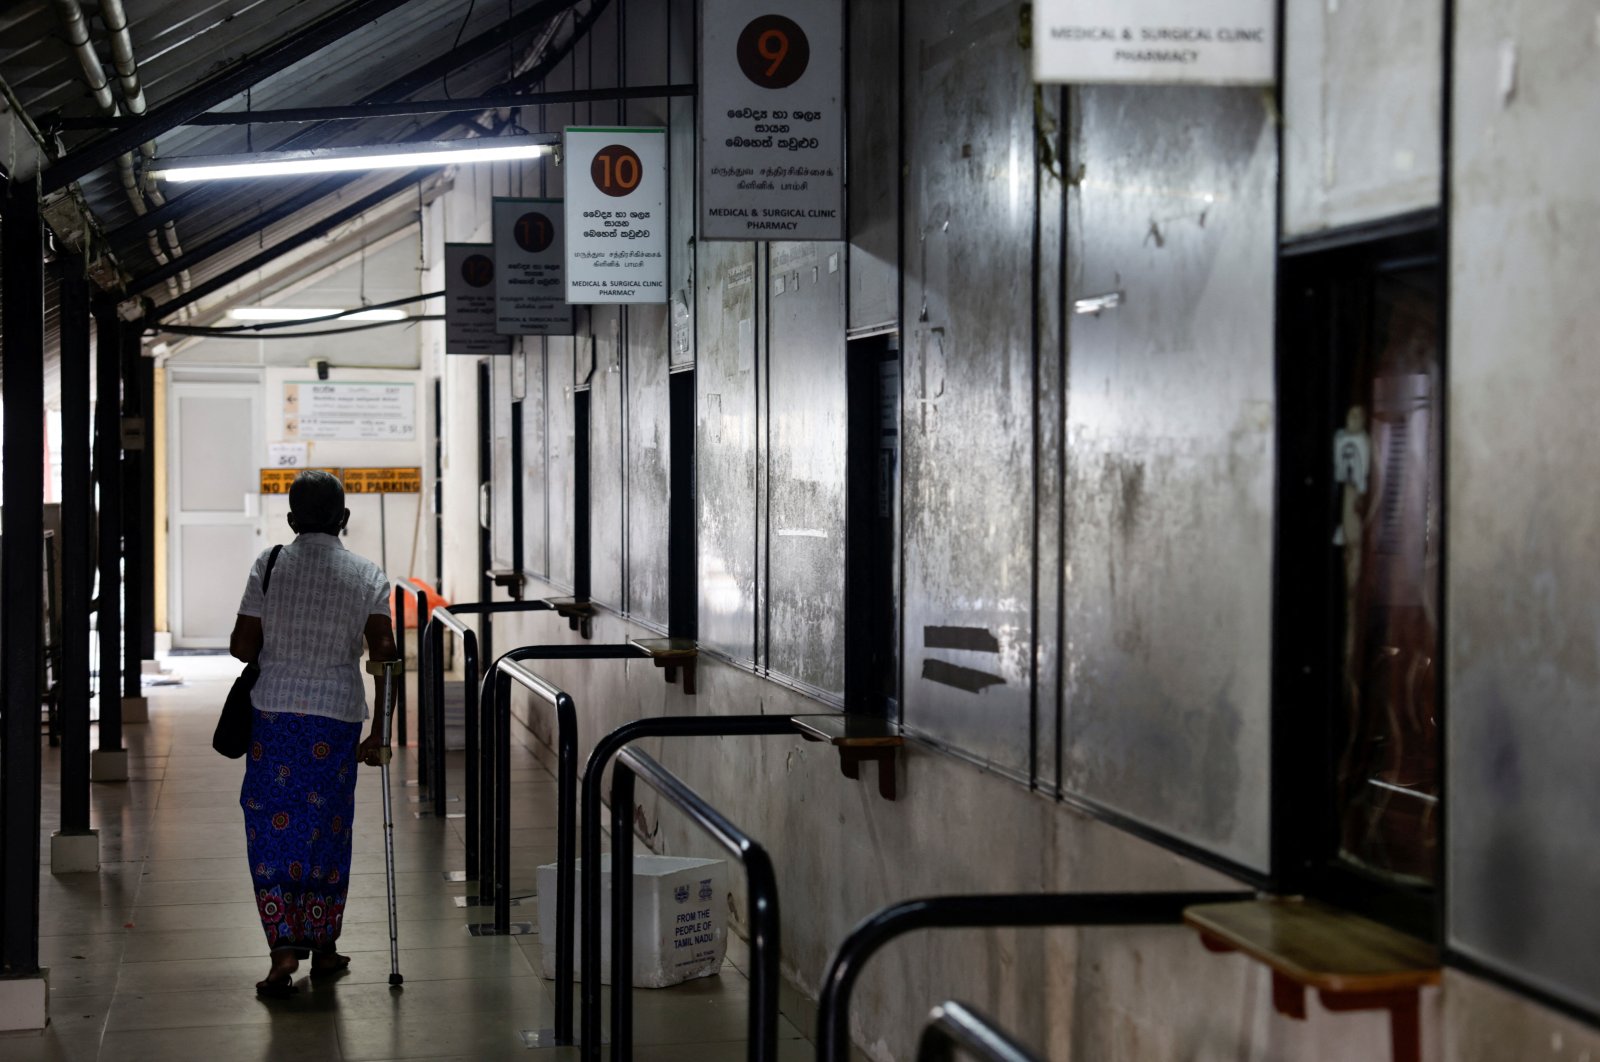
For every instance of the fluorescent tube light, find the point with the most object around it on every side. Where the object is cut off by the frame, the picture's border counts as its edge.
(296, 313)
(334, 160)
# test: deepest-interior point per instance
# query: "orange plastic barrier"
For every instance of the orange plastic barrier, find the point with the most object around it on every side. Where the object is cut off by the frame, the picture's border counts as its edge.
(433, 598)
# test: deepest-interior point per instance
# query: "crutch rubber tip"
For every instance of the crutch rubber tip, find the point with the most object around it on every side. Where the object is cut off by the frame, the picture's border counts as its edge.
(395, 980)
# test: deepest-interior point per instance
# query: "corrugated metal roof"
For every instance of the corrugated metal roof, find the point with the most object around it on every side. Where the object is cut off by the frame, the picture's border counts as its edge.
(179, 44)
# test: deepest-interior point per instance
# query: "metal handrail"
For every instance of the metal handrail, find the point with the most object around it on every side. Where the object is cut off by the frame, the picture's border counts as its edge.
(431, 677)
(761, 885)
(494, 884)
(983, 911)
(508, 671)
(953, 1025)
(593, 773)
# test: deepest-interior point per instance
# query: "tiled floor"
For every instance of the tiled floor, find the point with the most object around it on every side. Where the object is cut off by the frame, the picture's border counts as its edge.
(156, 957)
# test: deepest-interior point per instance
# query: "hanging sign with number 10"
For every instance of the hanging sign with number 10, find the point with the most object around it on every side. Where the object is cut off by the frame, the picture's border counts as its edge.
(531, 281)
(772, 120)
(616, 215)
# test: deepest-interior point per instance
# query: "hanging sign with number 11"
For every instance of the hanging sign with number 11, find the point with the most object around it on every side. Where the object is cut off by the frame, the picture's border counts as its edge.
(531, 278)
(772, 120)
(616, 214)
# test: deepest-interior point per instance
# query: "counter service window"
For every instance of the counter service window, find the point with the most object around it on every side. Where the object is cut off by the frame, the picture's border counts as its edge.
(1360, 613)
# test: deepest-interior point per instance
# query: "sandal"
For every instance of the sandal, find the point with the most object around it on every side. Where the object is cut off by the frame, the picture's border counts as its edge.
(336, 968)
(275, 988)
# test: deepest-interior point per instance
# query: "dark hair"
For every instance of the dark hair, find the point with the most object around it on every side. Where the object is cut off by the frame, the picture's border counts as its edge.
(317, 501)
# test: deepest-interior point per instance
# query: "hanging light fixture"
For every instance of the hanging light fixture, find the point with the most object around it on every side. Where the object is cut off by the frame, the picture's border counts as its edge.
(344, 159)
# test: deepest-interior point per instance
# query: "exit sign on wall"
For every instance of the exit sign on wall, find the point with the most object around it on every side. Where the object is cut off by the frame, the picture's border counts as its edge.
(1188, 42)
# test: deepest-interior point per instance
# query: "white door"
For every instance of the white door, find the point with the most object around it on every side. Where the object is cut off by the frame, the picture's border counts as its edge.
(215, 526)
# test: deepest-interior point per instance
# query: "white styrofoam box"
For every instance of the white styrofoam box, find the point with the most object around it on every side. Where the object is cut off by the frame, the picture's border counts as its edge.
(680, 918)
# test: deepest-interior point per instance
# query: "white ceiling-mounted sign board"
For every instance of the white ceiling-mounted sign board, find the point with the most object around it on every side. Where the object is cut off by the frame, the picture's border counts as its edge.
(469, 301)
(1177, 42)
(530, 279)
(616, 214)
(324, 409)
(772, 120)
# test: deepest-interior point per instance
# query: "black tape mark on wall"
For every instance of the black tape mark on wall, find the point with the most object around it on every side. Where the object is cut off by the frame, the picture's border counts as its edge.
(962, 678)
(976, 639)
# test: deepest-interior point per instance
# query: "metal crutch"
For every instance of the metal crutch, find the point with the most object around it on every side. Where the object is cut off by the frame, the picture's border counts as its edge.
(389, 671)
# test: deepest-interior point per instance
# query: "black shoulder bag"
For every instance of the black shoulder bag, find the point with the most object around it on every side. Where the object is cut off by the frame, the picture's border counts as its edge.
(232, 736)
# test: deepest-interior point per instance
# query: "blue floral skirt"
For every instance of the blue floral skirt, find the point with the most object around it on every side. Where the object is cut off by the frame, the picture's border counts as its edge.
(299, 799)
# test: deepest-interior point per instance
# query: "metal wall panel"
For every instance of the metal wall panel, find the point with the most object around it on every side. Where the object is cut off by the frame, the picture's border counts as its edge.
(968, 391)
(535, 466)
(649, 465)
(501, 489)
(1050, 444)
(607, 518)
(558, 436)
(1523, 594)
(873, 165)
(804, 623)
(1170, 436)
(1361, 111)
(726, 453)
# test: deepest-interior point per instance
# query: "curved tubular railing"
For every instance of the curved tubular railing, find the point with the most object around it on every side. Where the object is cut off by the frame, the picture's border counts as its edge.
(593, 773)
(983, 911)
(399, 608)
(507, 672)
(494, 885)
(952, 1025)
(761, 885)
(431, 676)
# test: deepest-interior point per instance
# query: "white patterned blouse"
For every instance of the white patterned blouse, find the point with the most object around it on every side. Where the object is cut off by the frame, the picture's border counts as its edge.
(312, 621)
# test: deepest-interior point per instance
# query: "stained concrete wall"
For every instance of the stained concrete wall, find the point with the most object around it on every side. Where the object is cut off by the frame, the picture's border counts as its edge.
(1361, 111)
(1524, 593)
(1024, 390)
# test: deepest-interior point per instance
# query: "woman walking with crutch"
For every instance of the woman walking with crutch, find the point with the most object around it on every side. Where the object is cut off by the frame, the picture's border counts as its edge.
(305, 612)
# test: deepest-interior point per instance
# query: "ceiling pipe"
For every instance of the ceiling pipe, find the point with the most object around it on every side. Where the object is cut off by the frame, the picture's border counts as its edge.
(77, 33)
(116, 20)
(115, 17)
(76, 29)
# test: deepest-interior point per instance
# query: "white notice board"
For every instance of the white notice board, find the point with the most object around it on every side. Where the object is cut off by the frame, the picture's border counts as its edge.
(530, 278)
(616, 214)
(772, 120)
(1194, 42)
(323, 409)
(469, 300)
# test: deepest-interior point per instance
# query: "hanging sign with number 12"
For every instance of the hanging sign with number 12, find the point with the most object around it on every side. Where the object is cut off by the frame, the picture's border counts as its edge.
(616, 214)
(772, 120)
(469, 300)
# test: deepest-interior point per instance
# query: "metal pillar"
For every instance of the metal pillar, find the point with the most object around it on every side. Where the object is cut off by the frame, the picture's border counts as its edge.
(108, 480)
(135, 523)
(485, 485)
(145, 380)
(21, 576)
(77, 546)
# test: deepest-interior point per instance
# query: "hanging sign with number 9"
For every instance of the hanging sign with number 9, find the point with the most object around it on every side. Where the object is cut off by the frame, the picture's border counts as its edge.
(773, 51)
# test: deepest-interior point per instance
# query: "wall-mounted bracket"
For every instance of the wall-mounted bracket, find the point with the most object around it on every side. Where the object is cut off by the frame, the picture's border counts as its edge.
(673, 655)
(510, 580)
(1351, 962)
(859, 739)
(579, 614)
